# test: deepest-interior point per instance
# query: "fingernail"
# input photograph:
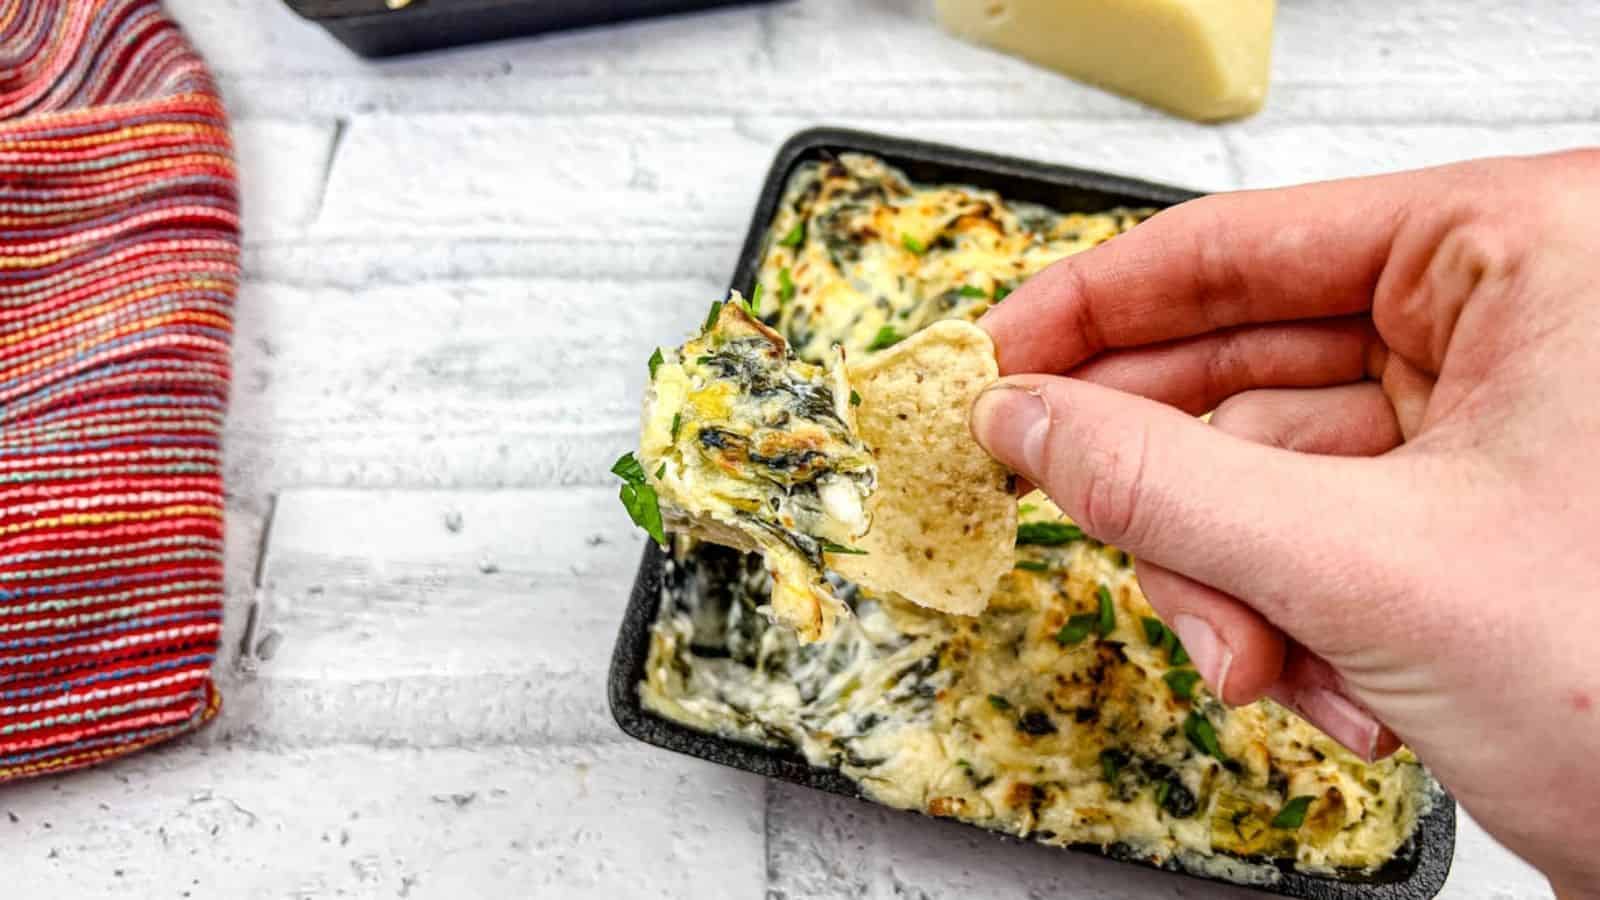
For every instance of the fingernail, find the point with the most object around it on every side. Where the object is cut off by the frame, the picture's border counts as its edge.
(1012, 423)
(1341, 720)
(1209, 654)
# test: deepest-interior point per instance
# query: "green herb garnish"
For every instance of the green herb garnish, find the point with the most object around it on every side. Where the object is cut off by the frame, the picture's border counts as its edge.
(1203, 735)
(831, 547)
(677, 424)
(968, 290)
(1107, 621)
(1293, 814)
(711, 318)
(656, 359)
(999, 702)
(855, 398)
(639, 498)
(785, 285)
(1077, 628)
(1048, 534)
(1182, 682)
(1030, 565)
(754, 303)
(1001, 292)
(912, 244)
(1175, 652)
(1162, 790)
(1154, 631)
(886, 337)
(796, 235)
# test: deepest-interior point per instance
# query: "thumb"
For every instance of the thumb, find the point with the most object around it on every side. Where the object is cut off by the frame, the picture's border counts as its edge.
(1271, 526)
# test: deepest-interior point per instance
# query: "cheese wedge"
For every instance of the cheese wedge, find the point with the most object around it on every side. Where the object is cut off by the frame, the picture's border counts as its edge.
(1206, 60)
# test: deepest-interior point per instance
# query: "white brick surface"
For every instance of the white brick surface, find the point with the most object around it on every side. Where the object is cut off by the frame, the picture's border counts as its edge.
(435, 618)
(455, 265)
(565, 823)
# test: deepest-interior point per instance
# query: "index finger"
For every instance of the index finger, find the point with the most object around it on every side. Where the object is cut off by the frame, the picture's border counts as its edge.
(1219, 261)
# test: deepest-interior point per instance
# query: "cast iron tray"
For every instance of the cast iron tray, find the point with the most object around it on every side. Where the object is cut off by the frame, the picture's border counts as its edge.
(1417, 873)
(388, 27)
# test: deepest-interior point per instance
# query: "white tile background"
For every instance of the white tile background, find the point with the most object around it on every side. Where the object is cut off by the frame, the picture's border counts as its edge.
(455, 265)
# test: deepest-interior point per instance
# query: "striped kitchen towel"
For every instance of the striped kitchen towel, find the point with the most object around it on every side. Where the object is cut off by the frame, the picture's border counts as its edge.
(119, 261)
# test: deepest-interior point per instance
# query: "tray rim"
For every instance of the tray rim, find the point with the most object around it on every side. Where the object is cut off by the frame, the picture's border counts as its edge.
(1435, 837)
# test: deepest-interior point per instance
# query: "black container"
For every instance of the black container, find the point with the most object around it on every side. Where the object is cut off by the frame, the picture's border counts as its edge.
(1417, 873)
(389, 27)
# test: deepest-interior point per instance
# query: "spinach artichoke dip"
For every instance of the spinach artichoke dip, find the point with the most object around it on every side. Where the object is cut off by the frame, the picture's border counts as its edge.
(1066, 711)
(750, 447)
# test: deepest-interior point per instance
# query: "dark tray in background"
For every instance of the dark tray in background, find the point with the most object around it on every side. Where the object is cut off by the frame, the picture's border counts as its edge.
(380, 28)
(1418, 873)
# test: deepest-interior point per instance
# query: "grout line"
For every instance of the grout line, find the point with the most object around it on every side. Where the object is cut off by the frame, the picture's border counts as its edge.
(335, 143)
(768, 867)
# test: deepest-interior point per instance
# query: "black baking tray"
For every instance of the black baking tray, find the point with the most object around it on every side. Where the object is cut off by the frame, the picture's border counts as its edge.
(375, 28)
(1417, 873)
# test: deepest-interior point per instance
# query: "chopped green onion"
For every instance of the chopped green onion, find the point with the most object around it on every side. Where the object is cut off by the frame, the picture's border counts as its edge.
(677, 424)
(711, 318)
(639, 498)
(785, 285)
(912, 244)
(796, 235)
(855, 398)
(1182, 682)
(968, 290)
(1203, 735)
(1030, 565)
(656, 359)
(1162, 790)
(1077, 628)
(1001, 292)
(831, 547)
(754, 304)
(1048, 534)
(886, 337)
(1107, 621)
(999, 702)
(1293, 814)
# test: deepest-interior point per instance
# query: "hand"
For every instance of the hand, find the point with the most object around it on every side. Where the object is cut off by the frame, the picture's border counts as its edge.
(1392, 523)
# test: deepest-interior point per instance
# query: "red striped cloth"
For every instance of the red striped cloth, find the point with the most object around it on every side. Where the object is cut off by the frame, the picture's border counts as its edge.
(119, 261)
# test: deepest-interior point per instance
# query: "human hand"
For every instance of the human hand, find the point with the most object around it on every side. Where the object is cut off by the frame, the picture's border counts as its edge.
(1392, 523)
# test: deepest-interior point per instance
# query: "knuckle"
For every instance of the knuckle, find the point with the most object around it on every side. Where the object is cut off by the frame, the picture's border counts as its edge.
(1111, 496)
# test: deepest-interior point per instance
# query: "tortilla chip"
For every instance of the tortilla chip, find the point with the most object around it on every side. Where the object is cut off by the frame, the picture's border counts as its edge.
(944, 519)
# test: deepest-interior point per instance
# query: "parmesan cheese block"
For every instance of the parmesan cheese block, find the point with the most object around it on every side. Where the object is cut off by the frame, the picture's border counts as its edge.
(1206, 60)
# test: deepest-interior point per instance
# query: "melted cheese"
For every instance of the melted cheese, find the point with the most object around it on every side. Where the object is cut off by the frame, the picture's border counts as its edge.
(1055, 714)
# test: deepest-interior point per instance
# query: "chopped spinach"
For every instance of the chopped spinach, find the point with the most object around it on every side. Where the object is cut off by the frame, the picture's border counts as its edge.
(999, 702)
(1036, 723)
(968, 290)
(1029, 565)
